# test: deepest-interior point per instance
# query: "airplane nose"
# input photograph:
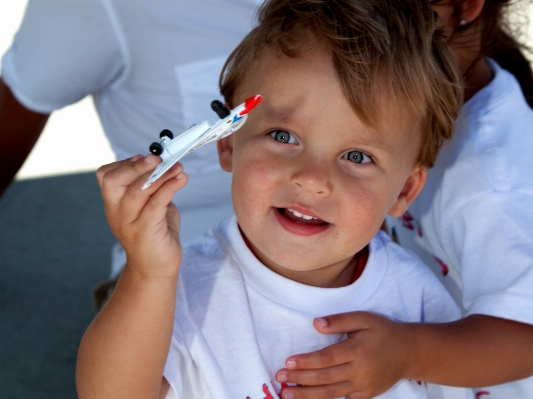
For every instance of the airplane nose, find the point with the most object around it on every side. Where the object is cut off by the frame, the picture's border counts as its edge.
(251, 102)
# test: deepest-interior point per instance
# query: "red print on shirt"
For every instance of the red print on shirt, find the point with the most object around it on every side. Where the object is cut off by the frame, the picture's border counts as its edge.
(443, 265)
(285, 385)
(480, 394)
(266, 391)
(409, 222)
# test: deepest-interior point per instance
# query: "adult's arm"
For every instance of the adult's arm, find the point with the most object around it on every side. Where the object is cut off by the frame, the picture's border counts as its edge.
(62, 52)
(19, 130)
(476, 351)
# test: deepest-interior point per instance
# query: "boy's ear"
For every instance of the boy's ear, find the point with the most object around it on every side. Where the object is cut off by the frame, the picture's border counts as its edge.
(410, 190)
(225, 152)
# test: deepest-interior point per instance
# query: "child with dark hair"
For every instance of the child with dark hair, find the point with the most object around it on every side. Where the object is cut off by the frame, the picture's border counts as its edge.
(358, 96)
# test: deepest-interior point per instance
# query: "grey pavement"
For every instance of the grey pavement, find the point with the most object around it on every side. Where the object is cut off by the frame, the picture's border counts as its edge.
(54, 247)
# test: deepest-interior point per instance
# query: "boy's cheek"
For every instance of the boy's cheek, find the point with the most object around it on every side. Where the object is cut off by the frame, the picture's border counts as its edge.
(251, 178)
(255, 181)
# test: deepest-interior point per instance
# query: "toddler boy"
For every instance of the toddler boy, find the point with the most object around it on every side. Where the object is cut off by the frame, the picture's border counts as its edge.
(358, 95)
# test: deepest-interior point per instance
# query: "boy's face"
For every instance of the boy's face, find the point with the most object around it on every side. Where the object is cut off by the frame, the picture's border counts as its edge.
(312, 183)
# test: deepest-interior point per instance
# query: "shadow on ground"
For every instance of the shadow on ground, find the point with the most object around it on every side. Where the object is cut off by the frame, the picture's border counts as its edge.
(54, 247)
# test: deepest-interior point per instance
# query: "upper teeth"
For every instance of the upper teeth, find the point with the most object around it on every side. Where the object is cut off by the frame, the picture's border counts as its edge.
(300, 215)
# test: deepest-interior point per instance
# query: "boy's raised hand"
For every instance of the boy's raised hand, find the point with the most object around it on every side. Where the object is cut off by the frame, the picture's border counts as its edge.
(145, 222)
(369, 362)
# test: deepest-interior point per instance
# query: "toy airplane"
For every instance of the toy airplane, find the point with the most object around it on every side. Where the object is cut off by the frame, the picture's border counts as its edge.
(173, 149)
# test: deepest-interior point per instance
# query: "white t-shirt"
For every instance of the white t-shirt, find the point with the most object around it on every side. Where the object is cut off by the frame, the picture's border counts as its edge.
(149, 65)
(237, 321)
(473, 221)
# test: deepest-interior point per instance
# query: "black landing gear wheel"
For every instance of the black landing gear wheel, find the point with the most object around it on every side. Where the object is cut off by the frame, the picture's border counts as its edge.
(156, 148)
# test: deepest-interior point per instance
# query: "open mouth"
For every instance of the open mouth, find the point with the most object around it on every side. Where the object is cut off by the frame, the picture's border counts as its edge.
(301, 218)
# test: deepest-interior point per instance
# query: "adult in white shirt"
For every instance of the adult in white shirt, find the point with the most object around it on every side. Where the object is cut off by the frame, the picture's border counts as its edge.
(148, 66)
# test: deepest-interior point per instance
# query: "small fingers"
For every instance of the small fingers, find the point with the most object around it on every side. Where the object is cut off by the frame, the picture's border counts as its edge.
(158, 195)
(323, 376)
(125, 173)
(121, 184)
(115, 178)
(330, 356)
(343, 323)
(102, 170)
(157, 207)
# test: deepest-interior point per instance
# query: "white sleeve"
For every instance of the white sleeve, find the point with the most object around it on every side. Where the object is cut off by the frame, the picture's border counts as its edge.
(446, 392)
(170, 394)
(424, 297)
(63, 51)
(493, 243)
(181, 371)
(438, 304)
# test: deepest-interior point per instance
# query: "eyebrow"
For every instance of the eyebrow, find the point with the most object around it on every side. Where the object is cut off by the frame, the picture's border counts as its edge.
(375, 141)
(283, 114)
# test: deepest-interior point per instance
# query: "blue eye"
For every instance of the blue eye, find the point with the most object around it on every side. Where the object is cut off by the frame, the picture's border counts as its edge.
(283, 137)
(357, 157)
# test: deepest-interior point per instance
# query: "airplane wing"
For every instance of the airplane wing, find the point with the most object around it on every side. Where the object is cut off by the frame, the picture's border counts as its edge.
(164, 166)
(190, 140)
(214, 133)
(166, 163)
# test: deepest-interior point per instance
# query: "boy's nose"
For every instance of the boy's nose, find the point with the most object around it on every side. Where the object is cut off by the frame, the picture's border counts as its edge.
(312, 180)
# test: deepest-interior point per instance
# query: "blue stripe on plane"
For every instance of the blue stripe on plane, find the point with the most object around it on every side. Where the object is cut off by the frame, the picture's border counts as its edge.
(237, 118)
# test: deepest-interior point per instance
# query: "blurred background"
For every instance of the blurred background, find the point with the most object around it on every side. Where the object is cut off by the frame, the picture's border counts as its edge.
(78, 122)
(54, 246)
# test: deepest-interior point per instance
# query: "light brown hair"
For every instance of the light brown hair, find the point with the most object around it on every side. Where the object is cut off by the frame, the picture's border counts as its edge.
(368, 40)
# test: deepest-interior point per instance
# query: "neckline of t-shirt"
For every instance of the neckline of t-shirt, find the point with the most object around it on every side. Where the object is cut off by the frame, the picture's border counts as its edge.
(301, 297)
(497, 90)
